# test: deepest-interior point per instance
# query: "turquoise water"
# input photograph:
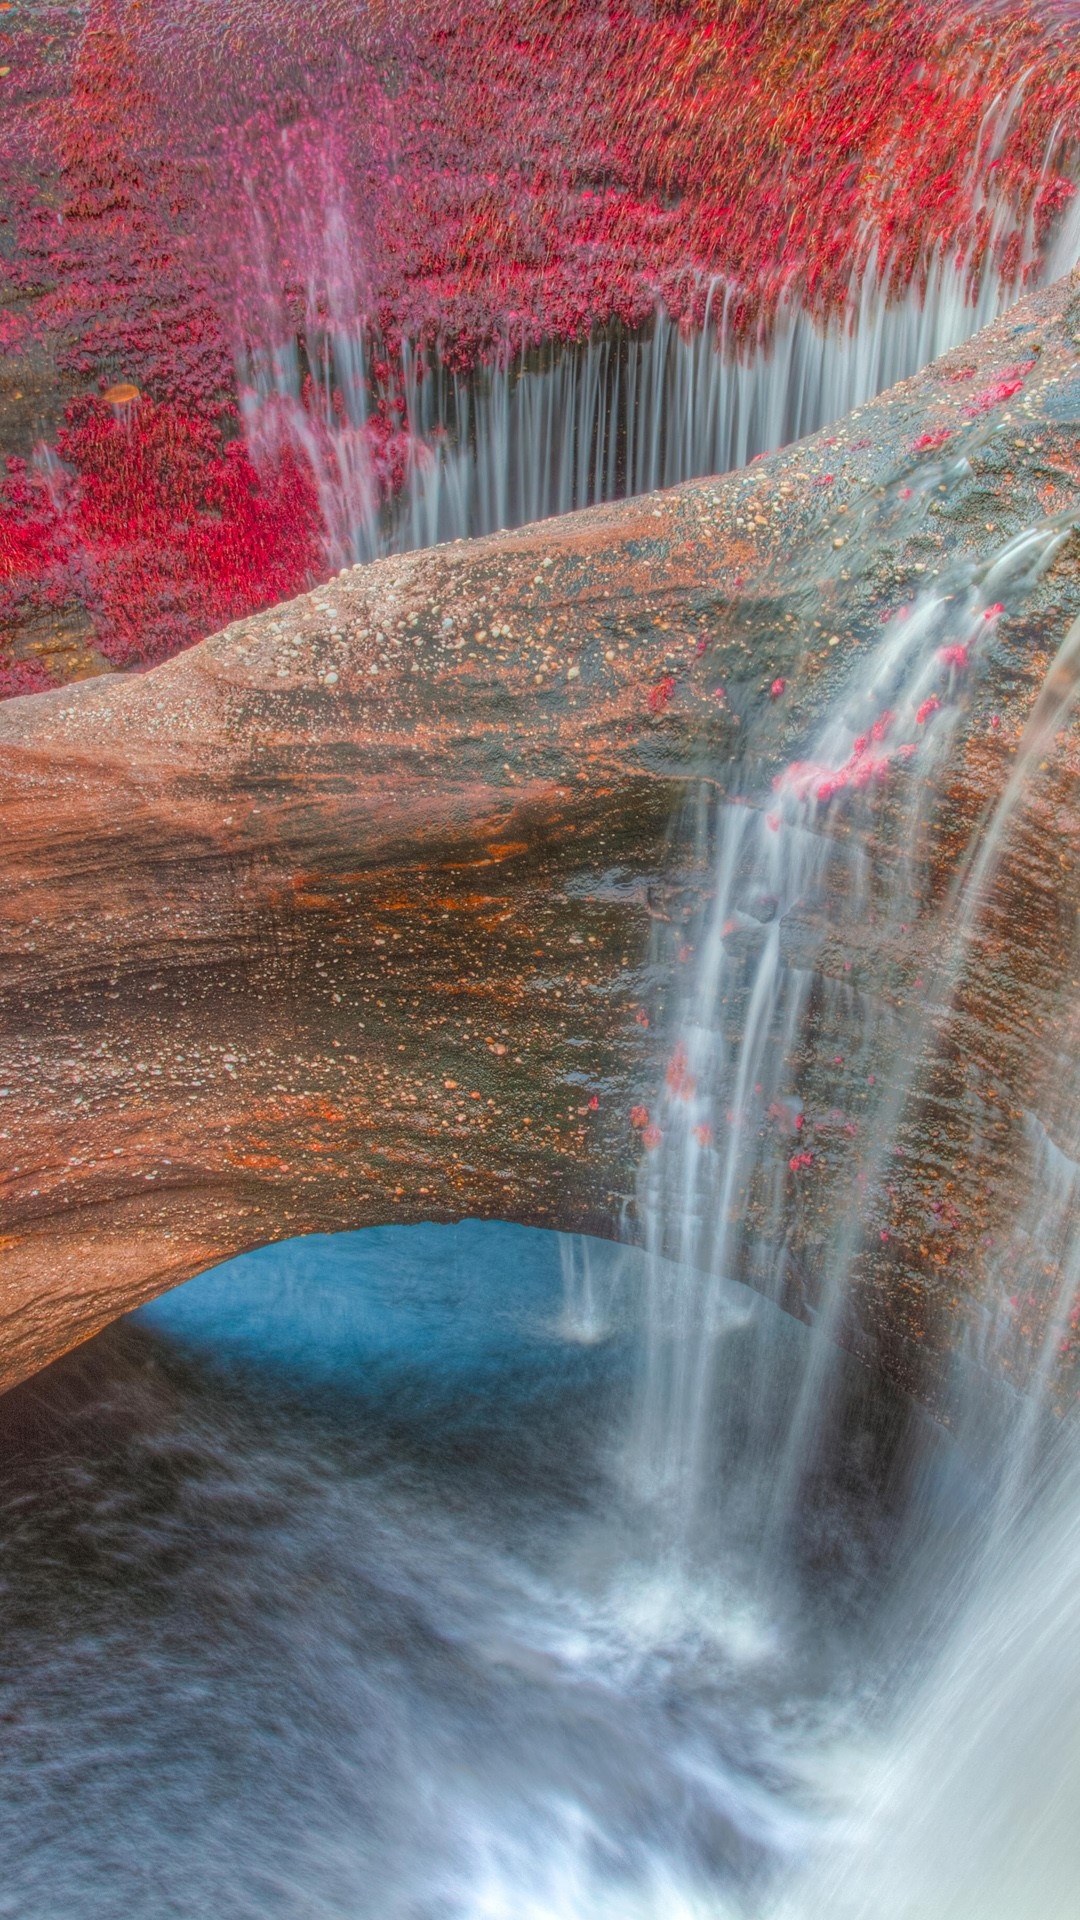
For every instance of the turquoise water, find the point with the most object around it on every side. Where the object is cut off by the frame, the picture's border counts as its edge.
(430, 1313)
(325, 1591)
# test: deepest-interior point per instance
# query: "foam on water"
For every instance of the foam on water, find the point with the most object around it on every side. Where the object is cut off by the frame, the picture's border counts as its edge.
(321, 1594)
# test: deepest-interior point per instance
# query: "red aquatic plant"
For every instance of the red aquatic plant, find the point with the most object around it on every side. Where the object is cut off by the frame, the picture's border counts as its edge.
(192, 193)
(156, 524)
(680, 1080)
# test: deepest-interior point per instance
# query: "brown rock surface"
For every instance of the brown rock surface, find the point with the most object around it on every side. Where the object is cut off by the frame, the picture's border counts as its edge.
(371, 908)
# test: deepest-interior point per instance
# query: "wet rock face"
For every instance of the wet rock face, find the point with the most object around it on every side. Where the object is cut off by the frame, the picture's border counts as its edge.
(379, 906)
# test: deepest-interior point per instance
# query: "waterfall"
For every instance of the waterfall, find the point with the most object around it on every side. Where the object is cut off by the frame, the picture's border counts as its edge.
(411, 455)
(967, 1797)
(584, 1316)
(967, 1759)
(734, 1139)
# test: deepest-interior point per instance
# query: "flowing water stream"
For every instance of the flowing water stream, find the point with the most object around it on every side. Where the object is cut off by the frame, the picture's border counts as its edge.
(473, 1574)
(466, 1573)
(528, 436)
(524, 439)
(327, 1590)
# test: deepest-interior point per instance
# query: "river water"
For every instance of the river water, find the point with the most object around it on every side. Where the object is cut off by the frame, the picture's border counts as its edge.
(328, 1589)
(467, 1573)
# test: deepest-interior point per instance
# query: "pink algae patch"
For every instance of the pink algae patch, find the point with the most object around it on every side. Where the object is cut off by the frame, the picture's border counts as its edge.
(679, 1080)
(1010, 382)
(990, 397)
(809, 779)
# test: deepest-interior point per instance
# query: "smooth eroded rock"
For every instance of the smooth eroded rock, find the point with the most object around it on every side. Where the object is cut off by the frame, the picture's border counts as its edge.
(376, 907)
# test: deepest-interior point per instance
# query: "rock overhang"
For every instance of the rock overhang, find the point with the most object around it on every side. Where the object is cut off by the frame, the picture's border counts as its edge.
(371, 907)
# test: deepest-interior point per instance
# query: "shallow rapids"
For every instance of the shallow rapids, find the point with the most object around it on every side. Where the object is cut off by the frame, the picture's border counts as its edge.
(326, 1591)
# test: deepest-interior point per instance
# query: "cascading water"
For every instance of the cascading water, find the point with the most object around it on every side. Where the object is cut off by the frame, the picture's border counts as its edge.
(455, 1574)
(526, 437)
(520, 441)
(584, 1316)
(728, 1139)
(968, 1796)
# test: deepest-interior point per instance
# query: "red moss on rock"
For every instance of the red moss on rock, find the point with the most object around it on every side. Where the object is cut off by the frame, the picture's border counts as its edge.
(187, 188)
(156, 525)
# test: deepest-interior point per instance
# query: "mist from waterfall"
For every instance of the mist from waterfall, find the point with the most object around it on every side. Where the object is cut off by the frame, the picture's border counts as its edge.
(967, 1806)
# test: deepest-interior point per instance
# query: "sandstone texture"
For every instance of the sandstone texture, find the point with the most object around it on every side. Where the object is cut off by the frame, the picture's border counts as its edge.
(376, 907)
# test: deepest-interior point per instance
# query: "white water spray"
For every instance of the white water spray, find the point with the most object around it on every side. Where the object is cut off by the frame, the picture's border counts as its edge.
(735, 1160)
(965, 1809)
(585, 1317)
